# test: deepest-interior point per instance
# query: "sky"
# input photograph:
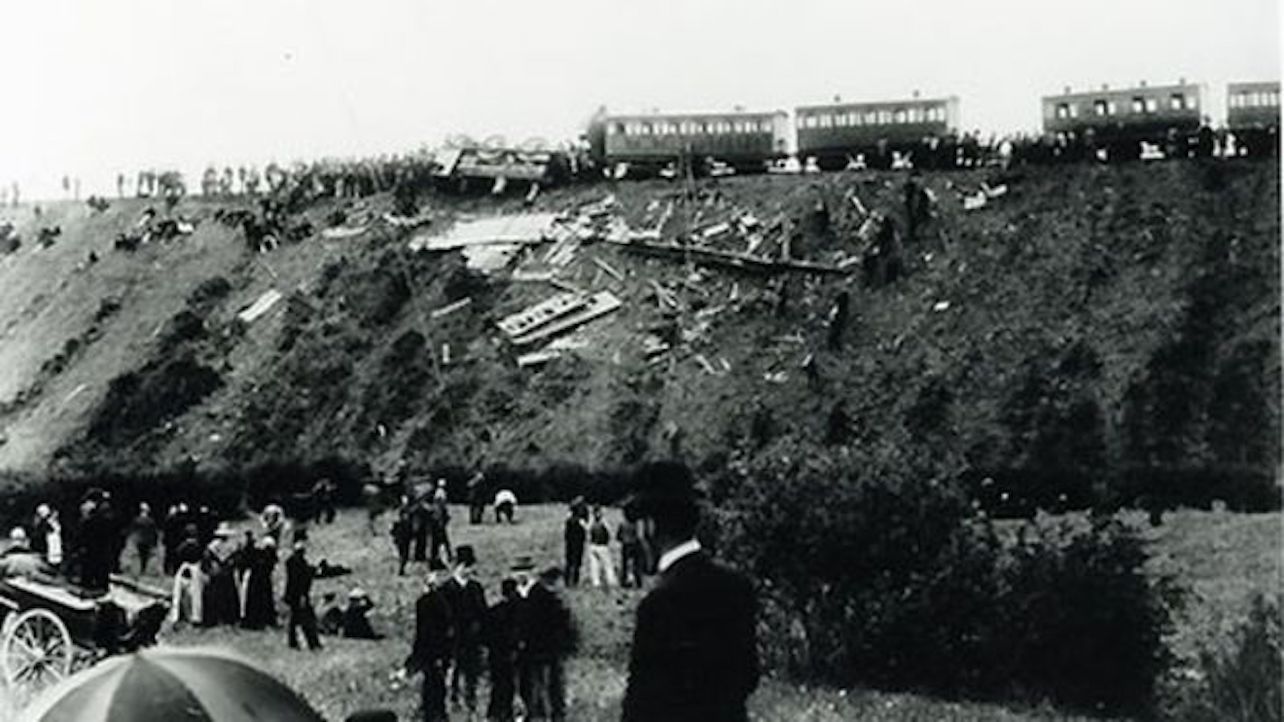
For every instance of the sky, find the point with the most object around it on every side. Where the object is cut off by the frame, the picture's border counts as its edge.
(94, 87)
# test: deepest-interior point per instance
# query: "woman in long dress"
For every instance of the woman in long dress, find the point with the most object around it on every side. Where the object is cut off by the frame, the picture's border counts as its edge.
(260, 608)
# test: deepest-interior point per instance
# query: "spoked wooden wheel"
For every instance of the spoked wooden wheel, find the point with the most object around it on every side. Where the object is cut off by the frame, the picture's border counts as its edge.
(35, 651)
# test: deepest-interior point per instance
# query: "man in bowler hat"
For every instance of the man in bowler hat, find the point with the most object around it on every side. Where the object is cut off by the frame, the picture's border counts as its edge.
(695, 654)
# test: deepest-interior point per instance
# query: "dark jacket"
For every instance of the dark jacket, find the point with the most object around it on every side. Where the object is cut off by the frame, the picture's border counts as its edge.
(468, 606)
(298, 579)
(695, 653)
(501, 630)
(434, 630)
(545, 630)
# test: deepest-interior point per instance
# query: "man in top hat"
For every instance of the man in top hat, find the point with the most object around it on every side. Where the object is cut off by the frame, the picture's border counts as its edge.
(694, 654)
(434, 641)
(468, 603)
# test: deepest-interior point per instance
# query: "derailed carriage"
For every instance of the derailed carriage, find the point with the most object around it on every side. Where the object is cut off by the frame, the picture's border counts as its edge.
(1117, 122)
(1253, 116)
(647, 143)
(837, 133)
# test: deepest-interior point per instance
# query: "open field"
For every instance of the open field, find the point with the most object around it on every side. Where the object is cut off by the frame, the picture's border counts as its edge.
(1222, 557)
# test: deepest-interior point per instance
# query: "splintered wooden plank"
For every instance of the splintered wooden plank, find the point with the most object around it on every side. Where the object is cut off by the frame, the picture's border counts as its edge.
(541, 313)
(599, 304)
(261, 306)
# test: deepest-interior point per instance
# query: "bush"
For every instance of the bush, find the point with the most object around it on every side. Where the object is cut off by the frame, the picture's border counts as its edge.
(1241, 681)
(876, 571)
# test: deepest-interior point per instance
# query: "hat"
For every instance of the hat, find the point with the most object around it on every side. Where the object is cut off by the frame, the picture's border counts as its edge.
(465, 555)
(435, 564)
(224, 531)
(523, 564)
(18, 535)
(357, 593)
(660, 484)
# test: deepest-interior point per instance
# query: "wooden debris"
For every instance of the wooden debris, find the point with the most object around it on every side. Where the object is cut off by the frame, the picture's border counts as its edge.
(595, 306)
(541, 313)
(262, 305)
(451, 308)
(609, 270)
(726, 259)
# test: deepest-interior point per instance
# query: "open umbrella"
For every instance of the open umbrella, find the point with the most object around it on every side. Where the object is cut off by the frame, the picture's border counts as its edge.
(171, 685)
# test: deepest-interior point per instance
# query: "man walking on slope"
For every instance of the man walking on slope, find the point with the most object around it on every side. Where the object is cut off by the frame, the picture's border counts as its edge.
(694, 656)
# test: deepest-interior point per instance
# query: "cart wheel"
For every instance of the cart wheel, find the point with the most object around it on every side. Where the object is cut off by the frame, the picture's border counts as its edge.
(35, 651)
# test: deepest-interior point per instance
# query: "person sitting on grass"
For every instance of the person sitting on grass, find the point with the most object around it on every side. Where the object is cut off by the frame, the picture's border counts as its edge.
(356, 623)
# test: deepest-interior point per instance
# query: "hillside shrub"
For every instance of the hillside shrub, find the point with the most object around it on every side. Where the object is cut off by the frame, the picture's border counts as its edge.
(1241, 680)
(876, 571)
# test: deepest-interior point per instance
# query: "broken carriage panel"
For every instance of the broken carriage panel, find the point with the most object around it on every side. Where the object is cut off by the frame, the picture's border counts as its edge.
(541, 313)
(525, 228)
(595, 306)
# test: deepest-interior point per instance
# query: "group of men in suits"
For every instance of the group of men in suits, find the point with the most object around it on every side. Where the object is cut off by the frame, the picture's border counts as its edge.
(694, 654)
(526, 636)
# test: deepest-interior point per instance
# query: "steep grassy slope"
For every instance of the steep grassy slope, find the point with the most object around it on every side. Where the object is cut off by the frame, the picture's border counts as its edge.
(1096, 325)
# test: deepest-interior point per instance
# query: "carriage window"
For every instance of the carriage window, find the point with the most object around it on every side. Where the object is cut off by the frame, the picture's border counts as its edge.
(1176, 101)
(1112, 108)
(884, 117)
(1192, 103)
(617, 128)
(1274, 98)
(1100, 107)
(646, 129)
(1063, 110)
(826, 120)
(899, 116)
(1138, 105)
(1152, 105)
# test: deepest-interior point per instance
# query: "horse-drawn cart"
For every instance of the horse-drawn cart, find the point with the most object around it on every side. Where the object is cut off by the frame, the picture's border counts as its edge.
(47, 627)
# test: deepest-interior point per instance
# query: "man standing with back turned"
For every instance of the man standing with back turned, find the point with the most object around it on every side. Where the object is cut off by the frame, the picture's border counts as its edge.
(695, 651)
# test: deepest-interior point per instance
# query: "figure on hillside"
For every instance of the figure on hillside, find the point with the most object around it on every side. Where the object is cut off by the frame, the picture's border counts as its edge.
(403, 532)
(41, 526)
(323, 497)
(632, 555)
(505, 505)
(574, 536)
(698, 622)
(601, 563)
(440, 519)
(468, 603)
(120, 185)
(501, 652)
(299, 574)
(476, 498)
(434, 640)
(143, 533)
(838, 321)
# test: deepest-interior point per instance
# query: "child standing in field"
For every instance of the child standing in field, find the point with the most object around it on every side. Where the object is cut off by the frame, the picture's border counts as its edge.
(601, 566)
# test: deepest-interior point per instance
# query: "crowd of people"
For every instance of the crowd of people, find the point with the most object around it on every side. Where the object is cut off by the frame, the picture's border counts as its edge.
(693, 656)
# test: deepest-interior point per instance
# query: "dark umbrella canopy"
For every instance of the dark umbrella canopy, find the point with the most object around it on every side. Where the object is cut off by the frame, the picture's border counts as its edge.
(171, 685)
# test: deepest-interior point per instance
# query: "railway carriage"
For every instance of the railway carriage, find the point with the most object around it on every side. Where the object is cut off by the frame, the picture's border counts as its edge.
(1253, 115)
(745, 141)
(835, 132)
(1120, 120)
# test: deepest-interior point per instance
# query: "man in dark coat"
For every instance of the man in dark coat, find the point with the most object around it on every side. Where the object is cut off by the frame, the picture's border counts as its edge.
(694, 655)
(468, 602)
(501, 652)
(546, 637)
(434, 640)
(299, 574)
(574, 534)
(143, 531)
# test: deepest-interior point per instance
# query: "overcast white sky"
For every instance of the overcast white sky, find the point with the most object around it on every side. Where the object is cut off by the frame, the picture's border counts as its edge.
(95, 86)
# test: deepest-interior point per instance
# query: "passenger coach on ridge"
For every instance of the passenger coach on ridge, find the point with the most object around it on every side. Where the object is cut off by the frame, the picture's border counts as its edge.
(744, 141)
(1253, 116)
(1118, 121)
(835, 133)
